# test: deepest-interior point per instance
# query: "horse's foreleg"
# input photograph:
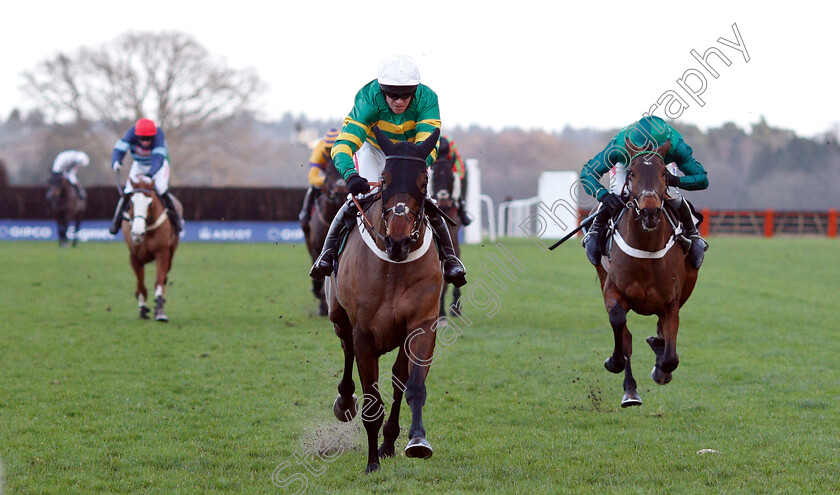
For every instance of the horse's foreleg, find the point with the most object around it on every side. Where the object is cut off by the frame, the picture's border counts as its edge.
(140, 290)
(442, 311)
(391, 429)
(77, 225)
(618, 321)
(631, 397)
(419, 348)
(162, 261)
(373, 410)
(455, 308)
(665, 344)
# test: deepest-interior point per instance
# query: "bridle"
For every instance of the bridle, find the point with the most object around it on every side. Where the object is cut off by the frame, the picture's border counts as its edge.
(398, 210)
(633, 202)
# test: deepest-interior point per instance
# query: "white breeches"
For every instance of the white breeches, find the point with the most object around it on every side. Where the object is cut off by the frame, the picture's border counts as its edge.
(618, 176)
(161, 178)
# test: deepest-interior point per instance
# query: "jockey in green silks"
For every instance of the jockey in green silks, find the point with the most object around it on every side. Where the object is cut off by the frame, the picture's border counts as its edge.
(404, 110)
(611, 159)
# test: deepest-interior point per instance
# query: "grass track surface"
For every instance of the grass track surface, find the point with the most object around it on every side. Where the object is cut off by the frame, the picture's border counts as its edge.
(234, 394)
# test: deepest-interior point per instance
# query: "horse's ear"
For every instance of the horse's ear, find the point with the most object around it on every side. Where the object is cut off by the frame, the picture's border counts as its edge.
(631, 148)
(665, 148)
(429, 144)
(384, 141)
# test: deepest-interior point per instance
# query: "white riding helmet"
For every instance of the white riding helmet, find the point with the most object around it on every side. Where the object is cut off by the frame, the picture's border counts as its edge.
(398, 70)
(82, 158)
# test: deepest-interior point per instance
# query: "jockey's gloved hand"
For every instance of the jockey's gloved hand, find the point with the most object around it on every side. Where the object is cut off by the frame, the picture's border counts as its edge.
(117, 166)
(357, 184)
(612, 203)
(672, 180)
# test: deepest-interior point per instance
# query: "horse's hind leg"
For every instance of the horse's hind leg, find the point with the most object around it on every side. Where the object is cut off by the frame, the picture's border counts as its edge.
(346, 404)
(391, 430)
(373, 410)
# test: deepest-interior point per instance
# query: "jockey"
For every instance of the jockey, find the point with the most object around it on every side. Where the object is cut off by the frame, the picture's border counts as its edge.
(449, 151)
(317, 173)
(648, 129)
(148, 149)
(66, 164)
(406, 111)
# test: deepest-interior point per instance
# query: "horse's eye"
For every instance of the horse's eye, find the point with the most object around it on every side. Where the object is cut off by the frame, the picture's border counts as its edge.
(631, 174)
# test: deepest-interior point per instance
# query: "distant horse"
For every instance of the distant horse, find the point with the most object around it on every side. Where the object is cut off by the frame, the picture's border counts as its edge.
(67, 206)
(332, 197)
(150, 236)
(648, 271)
(443, 182)
(385, 295)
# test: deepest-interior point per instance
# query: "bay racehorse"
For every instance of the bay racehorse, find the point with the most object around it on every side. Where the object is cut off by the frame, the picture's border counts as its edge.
(443, 185)
(384, 295)
(67, 206)
(150, 236)
(647, 272)
(332, 197)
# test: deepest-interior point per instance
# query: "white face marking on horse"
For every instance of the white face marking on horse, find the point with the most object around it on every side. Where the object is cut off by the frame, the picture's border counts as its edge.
(140, 203)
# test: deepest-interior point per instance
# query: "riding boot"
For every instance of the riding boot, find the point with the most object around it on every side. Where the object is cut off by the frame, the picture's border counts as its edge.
(118, 216)
(81, 191)
(594, 239)
(698, 248)
(323, 266)
(453, 270)
(306, 212)
(174, 218)
(462, 212)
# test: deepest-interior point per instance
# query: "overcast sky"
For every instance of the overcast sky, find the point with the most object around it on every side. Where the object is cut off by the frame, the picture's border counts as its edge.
(527, 63)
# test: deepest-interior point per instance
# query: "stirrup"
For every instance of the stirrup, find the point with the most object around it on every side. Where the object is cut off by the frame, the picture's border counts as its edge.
(324, 263)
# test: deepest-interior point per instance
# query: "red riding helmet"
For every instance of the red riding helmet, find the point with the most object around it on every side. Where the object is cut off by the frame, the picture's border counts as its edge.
(145, 127)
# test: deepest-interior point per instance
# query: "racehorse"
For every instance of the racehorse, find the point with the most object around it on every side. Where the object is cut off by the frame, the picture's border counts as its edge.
(150, 236)
(648, 272)
(443, 182)
(384, 295)
(67, 206)
(332, 197)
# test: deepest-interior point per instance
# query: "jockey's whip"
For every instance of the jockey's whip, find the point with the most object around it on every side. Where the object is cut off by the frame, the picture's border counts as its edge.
(119, 189)
(586, 221)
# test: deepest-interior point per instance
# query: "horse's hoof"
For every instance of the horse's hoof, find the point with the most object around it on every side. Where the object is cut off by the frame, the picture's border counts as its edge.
(371, 467)
(144, 312)
(386, 450)
(418, 447)
(660, 376)
(610, 365)
(631, 399)
(342, 411)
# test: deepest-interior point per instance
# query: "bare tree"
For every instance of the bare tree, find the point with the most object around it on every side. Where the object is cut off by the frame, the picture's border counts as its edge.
(166, 76)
